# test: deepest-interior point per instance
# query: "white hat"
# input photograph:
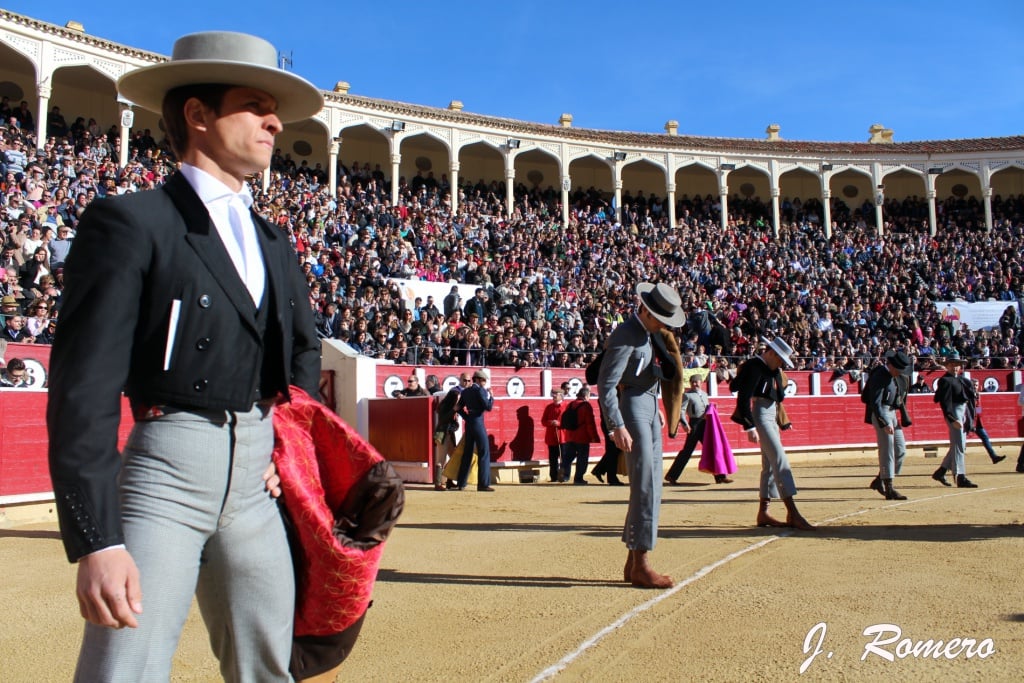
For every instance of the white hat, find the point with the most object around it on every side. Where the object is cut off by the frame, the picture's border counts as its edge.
(779, 346)
(662, 302)
(236, 59)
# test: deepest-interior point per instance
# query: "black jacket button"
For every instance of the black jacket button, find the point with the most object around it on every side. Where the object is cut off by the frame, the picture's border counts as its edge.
(203, 344)
(205, 301)
(200, 385)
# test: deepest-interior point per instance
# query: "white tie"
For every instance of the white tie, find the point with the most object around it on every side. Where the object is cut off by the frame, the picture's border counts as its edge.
(251, 268)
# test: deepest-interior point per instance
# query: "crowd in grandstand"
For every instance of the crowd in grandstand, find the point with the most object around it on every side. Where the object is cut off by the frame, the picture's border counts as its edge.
(548, 294)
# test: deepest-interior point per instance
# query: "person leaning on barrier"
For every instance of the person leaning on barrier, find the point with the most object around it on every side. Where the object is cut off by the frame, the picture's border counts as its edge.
(14, 375)
(885, 410)
(411, 389)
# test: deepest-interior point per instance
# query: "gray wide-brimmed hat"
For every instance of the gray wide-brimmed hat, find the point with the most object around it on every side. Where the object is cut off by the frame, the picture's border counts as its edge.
(779, 346)
(953, 358)
(663, 302)
(228, 58)
(899, 360)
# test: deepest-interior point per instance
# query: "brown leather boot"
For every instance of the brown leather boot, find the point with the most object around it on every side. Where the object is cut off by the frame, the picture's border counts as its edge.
(793, 517)
(763, 518)
(627, 571)
(644, 576)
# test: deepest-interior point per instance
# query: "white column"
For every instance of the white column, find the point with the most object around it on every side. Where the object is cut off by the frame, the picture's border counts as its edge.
(618, 200)
(723, 199)
(826, 202)
(453, 180)
(987, 192)
(826, 212)
(127, 121)
(879, 200)
(775, 211)
(44, 90)
(670, 191)
(566, 184)
(332, 167)
(933, 221)
(396, 159)
(510, 200)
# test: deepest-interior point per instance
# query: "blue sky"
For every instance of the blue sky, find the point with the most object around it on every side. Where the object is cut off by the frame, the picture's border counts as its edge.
(927, 69)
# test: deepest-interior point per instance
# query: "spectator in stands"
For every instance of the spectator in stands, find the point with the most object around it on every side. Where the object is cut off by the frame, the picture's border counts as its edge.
(56, 125)
(32, 273)
(38, 317)
(14, 375)
(14, 330)
(11, 256)
(47, 335)
(15, 158)
(451, 301)
(9, 307)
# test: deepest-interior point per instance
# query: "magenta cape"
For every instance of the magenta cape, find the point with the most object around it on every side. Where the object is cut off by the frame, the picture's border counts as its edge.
(715, 453)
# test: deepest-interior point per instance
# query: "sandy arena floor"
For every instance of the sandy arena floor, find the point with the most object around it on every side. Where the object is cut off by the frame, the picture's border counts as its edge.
(523, 585)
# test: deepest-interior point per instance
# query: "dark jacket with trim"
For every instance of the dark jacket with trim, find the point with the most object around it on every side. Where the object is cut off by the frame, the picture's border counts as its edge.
(134, 257)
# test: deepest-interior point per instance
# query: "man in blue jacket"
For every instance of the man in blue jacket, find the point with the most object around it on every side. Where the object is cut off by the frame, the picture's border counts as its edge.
(474, 401)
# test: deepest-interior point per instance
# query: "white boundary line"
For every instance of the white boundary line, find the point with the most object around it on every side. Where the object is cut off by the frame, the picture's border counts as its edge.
(565, 661)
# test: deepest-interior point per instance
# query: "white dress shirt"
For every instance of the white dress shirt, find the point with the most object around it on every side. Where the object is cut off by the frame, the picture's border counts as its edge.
(230, 212)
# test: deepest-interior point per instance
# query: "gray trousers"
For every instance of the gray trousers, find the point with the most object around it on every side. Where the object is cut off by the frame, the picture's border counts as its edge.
(198, 520)
(955, 461)
(892, 448)
(644, 461)
(776, 475)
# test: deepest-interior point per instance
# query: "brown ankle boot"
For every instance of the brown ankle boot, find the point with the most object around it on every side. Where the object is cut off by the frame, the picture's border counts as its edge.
(763, 518)
(793, 517)
(644, 576)
(627, 571)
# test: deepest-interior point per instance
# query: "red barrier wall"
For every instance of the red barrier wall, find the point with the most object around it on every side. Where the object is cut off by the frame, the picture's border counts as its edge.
(23, 443)
(400, 428)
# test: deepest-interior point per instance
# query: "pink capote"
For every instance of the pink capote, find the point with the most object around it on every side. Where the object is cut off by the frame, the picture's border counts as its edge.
(320, 459)
(715, 452)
